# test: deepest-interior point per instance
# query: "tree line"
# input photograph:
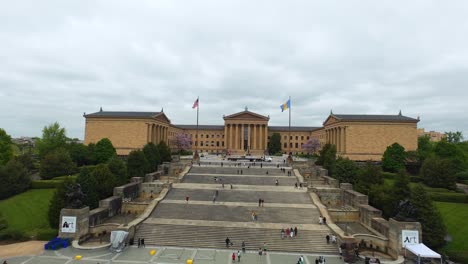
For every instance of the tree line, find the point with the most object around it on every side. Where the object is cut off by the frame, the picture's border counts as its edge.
(434, 164)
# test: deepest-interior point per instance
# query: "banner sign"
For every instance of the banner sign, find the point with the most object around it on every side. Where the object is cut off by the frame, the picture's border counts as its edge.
(68, 224)
(409, 237)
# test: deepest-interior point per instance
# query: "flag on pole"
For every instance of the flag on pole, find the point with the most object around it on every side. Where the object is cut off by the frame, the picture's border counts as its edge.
(286, 105)
(195, 104)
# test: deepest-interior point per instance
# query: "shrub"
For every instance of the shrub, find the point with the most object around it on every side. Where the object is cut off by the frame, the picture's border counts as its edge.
(46, 235)
(73, 177)
(449, 197)
(388, 175)
(416, 179)
(45, 184)
(9, 234)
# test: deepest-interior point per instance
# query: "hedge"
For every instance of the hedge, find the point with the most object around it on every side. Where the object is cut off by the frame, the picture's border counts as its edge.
(73, 177)
(47, 234)
(416, 179)
(388, 175)
(449, 197)
(45, 184)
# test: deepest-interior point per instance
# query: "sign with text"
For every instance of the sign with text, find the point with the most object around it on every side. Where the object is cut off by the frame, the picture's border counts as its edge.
(409, 237)
(68, 224)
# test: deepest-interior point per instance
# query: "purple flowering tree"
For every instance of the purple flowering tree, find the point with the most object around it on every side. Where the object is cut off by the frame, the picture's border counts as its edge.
(311, 146)
(181, 142)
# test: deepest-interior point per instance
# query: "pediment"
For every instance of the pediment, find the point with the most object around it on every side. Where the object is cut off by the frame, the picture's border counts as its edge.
(330, 120)
(163, 118)
(246, 115)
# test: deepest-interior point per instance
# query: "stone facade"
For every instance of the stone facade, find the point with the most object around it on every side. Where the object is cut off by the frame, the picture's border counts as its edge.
(358, 137)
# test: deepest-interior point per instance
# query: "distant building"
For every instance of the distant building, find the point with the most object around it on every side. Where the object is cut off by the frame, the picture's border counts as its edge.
(433, 135)
(358, 137)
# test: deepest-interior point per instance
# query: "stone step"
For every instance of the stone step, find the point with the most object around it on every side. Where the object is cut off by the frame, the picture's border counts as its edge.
(217, 202)
(272, 171)
(236, 195)
(241, 180)
(236, 213)
(214, 237)
(204, 186)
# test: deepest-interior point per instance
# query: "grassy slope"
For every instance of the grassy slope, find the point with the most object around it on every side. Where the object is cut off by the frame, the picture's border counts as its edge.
(455, 215)
(27, 212)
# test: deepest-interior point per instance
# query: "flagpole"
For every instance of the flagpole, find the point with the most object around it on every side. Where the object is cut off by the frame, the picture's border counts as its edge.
(289, 137)
(198, 108)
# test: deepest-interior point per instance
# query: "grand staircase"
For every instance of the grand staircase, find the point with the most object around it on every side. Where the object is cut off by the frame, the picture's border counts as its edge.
(204, 223)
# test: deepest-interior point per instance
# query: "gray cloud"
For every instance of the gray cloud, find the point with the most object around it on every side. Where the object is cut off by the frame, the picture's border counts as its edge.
(60, 59)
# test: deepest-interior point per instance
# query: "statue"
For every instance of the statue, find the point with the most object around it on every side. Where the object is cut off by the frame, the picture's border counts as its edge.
(74, 196)
(406, 211)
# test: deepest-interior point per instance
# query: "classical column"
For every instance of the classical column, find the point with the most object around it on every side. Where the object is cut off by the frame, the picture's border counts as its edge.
(225, 138)
(248, 136)
(147, 133)
(338, 129)
(266, 136)
(236, 138)
(343, 149)
(242, 137)
(231, 136)
(255, 136)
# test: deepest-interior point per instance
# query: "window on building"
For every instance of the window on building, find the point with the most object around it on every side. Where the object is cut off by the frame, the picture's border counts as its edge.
(302, 137)
(201, 143)
(212, 143)
(307, 137)
(285, 137)
(207, 143)
(217, 136)
(297, 145)
(217, 143)
(285, 145)
(212, 136)
(201, 136)
(290, 137)
(290, 145)
(297, 137)
(223, 143)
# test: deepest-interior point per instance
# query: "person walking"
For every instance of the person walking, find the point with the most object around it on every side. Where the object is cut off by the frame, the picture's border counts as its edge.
(139, 242)
(276, 182)
(295, 231)
(228, 241)
(264, 248)
(233, 257)
(187, 199)
(238, 256)
(143, 242)
(292, 232)
(295, 185)
(259, 202)
(328, 239)
(243, 247)
(288, 232)
(282, 233)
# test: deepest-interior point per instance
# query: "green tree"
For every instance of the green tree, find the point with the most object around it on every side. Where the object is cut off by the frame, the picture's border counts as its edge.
(393, 158)
(164, 151)
(454, 137)
(57, 163)
(80, 154)
(275, 144)
(104, 150)
(152, 155)
(425, 147)
(367, 177)
(400, 192)
(137, 164)
(14, 179)
(3, 222)
(89, 186)
(106, 180)
(57, 202)
(327, 158)
(6, 147)
(433, 227)
(27, 161)
(346, 170)
(91, 157)
(439, 172)
(53, 137)
(380, 196)
(119, 169)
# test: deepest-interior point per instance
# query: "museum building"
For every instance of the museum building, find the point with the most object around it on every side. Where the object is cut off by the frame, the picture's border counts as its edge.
(358, 137)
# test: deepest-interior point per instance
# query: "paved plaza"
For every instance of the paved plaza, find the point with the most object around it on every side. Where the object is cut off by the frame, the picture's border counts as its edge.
(133, 255)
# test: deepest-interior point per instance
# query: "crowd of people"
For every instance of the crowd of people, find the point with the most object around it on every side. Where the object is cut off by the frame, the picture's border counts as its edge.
(289, 232)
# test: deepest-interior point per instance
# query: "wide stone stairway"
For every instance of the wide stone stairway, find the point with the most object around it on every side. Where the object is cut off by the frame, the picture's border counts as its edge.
(221, 203)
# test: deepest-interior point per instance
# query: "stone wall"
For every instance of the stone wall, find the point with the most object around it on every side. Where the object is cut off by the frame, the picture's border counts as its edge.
(380, 225)
(151, 189)
(128, 191)
(367, 213)
(135, 208)
(353, 198)
(394, 234)
(331, 197)
(340, 216)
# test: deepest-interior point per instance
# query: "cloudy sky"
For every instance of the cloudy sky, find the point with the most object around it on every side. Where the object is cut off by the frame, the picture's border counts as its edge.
(59, 59)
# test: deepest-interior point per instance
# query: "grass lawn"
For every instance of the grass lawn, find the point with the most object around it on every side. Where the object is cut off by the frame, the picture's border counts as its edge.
(455, 215)
(27, 212)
